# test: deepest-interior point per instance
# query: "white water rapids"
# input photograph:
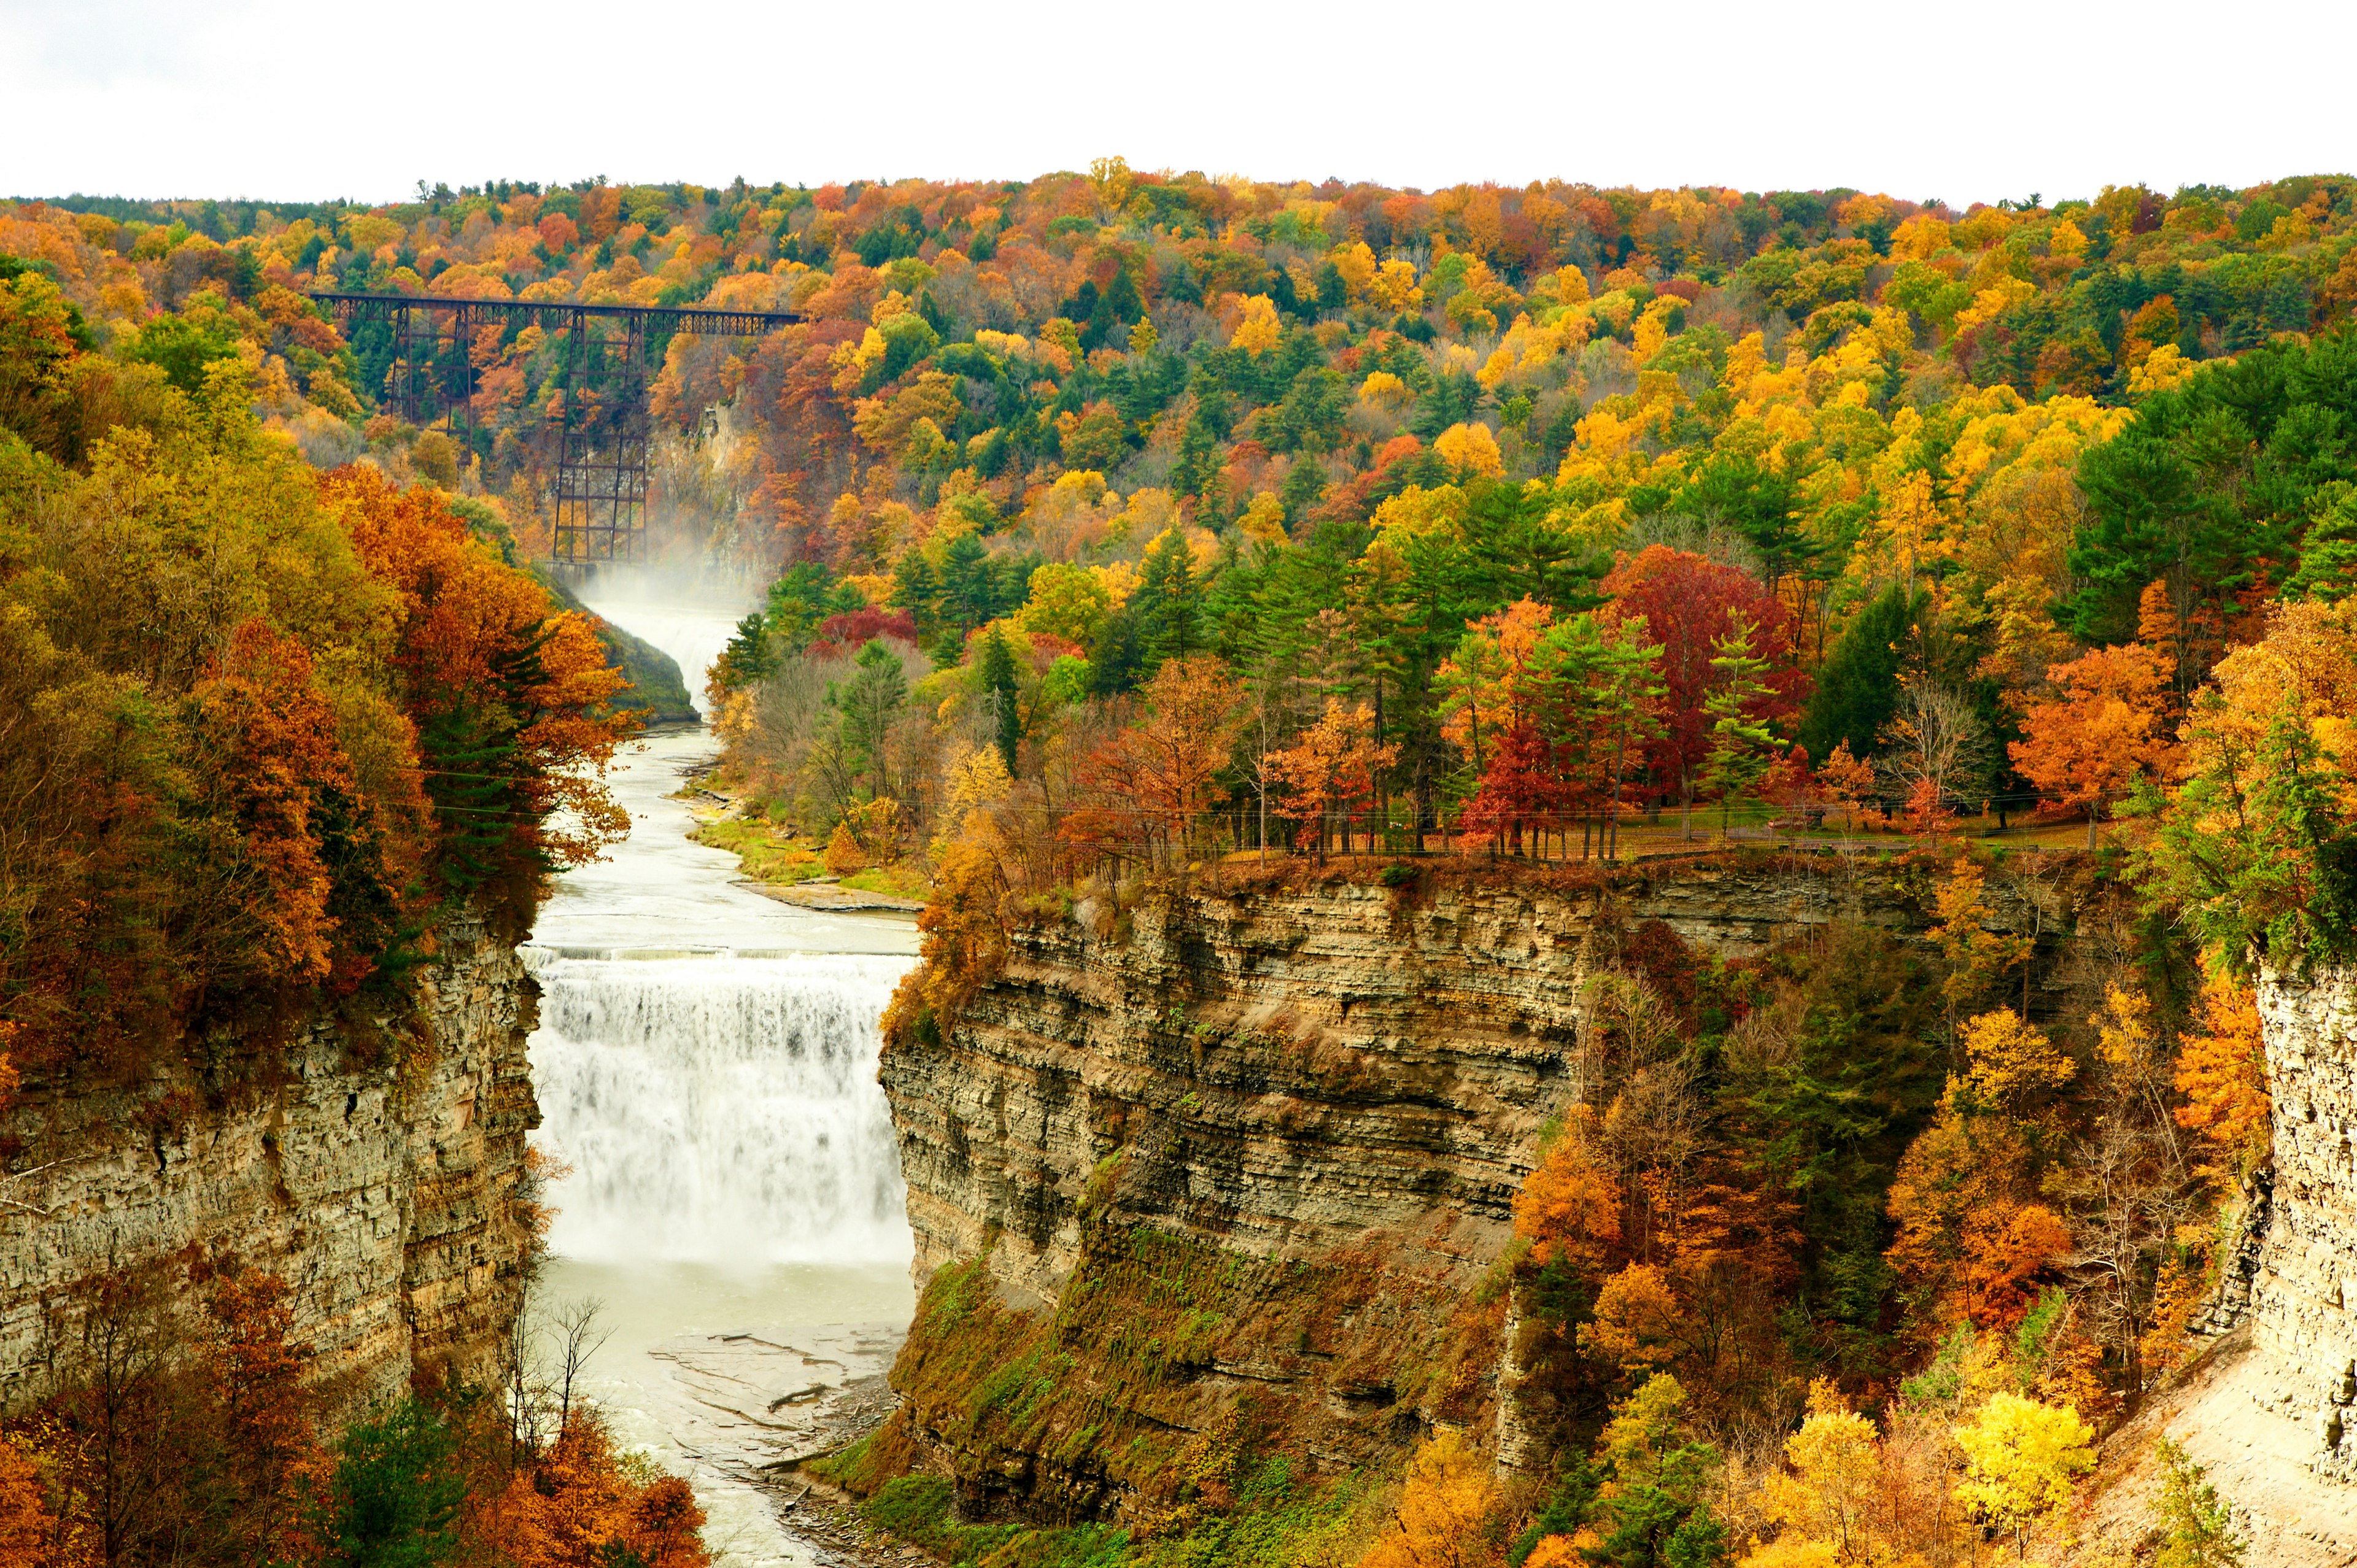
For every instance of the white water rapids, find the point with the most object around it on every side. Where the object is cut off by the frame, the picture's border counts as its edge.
(705, 1065)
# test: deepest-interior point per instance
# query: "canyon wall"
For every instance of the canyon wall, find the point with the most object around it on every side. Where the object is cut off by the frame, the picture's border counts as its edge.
(2303, 1294)
(1253, 1146)
(388, 1197)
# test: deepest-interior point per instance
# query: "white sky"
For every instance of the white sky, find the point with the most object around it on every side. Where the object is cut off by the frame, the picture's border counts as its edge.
(297, 100)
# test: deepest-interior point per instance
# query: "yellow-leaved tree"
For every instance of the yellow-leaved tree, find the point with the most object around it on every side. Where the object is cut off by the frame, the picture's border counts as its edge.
(1258, 332)
(1438, 1522)
(1471, 447)
(2020, 1457)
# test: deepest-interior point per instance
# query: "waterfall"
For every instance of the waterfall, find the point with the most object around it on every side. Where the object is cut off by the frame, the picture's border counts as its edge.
(720, 1109)
(705, 1067)
(706, 1061)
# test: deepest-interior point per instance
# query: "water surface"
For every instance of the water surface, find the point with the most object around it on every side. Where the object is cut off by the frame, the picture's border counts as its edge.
(705, 1065)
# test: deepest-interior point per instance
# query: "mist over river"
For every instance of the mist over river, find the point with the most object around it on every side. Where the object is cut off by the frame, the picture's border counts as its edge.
(705, 1065)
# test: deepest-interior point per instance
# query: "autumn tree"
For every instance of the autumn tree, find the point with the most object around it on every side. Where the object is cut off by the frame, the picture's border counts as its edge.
(1689, 604)
(2221, 1071)
(1569, 1207)
(1977, 954)
(1162, 771)
(1852, 1495)
(1329, 767)
(1444, 1504)
(1654, 1506)
(1846, 783)
(1975, 1239)
(1933, 748)
(2102, 733)
(509, 697)
(2021, 1459)
(2254, 848)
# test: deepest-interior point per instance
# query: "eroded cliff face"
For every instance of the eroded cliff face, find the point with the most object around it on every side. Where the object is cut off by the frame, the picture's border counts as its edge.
(387, 1196)
(2269, 1411)
(1246, 1160)
(2303, 1295)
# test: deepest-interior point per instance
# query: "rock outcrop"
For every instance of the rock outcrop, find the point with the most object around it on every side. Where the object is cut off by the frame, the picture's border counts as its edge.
(2269, 1410)
(2303, 1298)
(1275, 1131)
(391, 1197)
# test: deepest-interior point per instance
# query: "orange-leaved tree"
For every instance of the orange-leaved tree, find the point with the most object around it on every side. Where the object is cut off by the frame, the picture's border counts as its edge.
(1161, 773)
(578, 1506)
(510, 697)
(2105, 731)
(1569, 1207)
(2221, 1071)
(1329, 767)
(1975, 1241)
(287, 804)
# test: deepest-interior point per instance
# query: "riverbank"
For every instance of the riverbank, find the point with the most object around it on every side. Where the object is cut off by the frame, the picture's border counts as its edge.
(778, 863)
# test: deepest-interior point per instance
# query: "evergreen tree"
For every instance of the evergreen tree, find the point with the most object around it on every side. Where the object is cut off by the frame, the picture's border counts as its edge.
(399, 1488)
(1300, 490)
(1858, 690)
(2197, 1525)
(1514, 547)
(1169, 602)
(917, 588)
(969, 586)
(1118, 660)
(1739, 743)
(998, 680)
(868, 703)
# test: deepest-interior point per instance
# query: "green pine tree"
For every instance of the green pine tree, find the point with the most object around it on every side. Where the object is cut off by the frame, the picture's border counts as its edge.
(1741, 746)
(997, 673)
(1858, 689)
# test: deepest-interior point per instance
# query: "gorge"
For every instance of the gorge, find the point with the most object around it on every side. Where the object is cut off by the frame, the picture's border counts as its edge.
(706, 1068)
(1249, 1163)
(1589, 871)
(1243, 1149)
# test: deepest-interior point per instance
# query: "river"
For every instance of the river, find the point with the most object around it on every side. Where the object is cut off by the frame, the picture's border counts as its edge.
(705, 1065)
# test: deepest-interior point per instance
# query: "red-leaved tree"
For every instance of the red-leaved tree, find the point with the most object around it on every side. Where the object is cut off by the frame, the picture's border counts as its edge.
(1689, 602)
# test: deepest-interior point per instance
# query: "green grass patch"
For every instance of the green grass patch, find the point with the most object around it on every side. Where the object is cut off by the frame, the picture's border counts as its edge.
(764, 850)
(906, 880)
(1277, 1524)
(921, 1510)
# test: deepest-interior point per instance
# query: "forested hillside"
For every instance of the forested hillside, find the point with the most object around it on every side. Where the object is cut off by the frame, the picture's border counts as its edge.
(264, 731)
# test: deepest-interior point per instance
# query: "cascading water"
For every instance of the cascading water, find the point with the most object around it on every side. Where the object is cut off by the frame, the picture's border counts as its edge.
(706, 1065)
(720, 1109)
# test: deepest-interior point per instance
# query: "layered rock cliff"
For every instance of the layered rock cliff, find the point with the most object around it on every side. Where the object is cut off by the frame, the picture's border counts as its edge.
(2303, 1295)
(1244, 1157)
(389, 1197)
(2269, 1410)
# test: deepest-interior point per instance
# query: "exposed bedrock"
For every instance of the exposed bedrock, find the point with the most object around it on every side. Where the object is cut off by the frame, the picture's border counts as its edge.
(1328, 1089)
(386, 1196)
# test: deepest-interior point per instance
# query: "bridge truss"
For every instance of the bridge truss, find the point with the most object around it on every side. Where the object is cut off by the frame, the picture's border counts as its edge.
(435, 348)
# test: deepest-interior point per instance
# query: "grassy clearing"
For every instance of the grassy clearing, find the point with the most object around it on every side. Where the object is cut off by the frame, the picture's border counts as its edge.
(1278, 1522)
(764, 850)
(905, 880)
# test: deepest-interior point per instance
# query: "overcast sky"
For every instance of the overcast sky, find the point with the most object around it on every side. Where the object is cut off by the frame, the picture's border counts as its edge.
(323, 98)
